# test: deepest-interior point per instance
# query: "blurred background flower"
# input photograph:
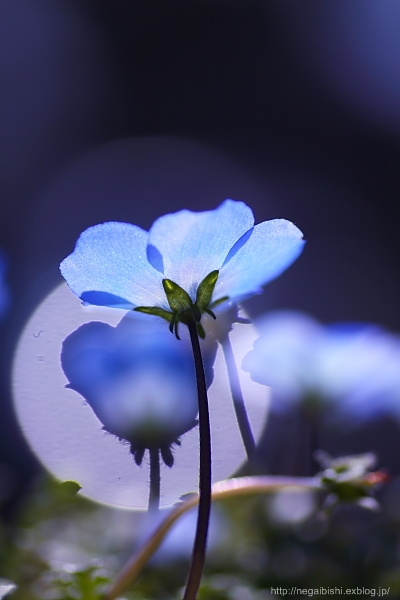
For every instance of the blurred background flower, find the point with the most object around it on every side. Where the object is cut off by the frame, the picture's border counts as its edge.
(338, 377)
(177, 545)
(64, 432)
(349, 371)
(138, 379)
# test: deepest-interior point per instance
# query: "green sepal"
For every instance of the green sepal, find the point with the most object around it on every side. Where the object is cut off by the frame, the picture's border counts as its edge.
(219, 301)
(173, 326)
(154, 310)
(196, 313)
(206, 289)
(178, 299)
(183, 309)
(200, 331)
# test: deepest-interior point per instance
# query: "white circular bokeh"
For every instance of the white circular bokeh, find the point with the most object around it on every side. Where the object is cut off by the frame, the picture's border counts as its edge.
(67, 437)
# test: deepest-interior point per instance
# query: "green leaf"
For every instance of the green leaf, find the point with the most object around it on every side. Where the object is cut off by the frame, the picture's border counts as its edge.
(86, 584)
(205, 290)
(154, 310)
(178, 299)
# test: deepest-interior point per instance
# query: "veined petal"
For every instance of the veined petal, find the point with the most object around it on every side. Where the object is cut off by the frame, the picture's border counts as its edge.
(109, 267)
(271, 248)
(186, 246)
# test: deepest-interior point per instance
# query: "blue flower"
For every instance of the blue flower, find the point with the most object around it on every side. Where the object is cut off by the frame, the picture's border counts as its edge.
(121, 265)
(138, 380)
(351, 369)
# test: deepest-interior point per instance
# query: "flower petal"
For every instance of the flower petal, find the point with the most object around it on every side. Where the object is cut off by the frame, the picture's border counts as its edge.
(186, 246)
(137, 378)
(283, 356)
(109, 267)
(271, 248)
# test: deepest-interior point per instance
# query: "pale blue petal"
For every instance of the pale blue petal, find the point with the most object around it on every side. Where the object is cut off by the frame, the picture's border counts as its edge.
(272, 247)
(134, 376)
(186, 246)
(283, 356)
(351, 370)
(109, 267)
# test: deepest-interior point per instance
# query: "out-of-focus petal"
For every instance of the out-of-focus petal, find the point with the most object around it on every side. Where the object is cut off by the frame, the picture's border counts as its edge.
(137, 377)
(186, 246)
(350, 371)
(281, 358)
(137, 383)
(272, 247)
(109, 267)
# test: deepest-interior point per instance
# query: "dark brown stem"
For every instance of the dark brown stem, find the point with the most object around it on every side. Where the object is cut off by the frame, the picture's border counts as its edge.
(155, 479)
(238, 401)
(203, 515)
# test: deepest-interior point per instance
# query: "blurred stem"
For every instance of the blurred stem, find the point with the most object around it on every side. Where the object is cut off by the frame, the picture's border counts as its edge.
(229, 488)
(203, 515)
(238, 400)
(314, 444)
(155, 480)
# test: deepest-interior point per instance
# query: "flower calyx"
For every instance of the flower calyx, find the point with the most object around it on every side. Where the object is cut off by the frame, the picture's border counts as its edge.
(165, 447)
(350, 479)
(183, 309)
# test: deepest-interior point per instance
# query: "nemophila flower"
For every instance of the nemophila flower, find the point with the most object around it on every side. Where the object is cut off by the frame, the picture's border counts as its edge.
(138, 380)
(185, 266)
(351, 369)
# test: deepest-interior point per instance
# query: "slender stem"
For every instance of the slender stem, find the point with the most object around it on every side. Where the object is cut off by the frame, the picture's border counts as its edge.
(239, 486)
(238, 401)
(314, 443)
(203, 515)
(155, 479)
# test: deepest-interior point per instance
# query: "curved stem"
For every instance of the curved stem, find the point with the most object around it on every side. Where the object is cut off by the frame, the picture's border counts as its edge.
(238, 401)
(155, 480)
(203, 515)
(239, 486)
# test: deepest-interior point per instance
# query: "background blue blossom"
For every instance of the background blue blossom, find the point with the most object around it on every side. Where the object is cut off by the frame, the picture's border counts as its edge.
(351, 370)
(137, 378)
